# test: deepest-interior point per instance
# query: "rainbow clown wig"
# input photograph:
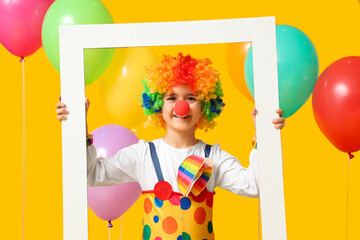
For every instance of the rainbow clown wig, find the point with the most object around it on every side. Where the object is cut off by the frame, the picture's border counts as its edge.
(173, 71)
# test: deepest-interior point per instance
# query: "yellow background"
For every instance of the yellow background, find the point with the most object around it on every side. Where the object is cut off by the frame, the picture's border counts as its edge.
(315, 172)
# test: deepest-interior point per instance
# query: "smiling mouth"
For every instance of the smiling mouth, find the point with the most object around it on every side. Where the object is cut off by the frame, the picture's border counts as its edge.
(181, 116)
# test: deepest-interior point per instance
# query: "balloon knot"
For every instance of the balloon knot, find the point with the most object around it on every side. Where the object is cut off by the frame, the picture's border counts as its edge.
(110, 225)
(22, 59)
(350, 155)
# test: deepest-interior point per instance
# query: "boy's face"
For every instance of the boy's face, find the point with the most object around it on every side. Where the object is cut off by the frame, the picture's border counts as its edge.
(182, 92)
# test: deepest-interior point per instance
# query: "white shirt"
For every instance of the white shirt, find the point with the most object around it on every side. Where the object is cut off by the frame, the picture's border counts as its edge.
(134, 163)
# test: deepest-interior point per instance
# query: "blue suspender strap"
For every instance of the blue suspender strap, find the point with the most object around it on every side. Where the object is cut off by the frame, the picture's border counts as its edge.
(207, 150)
(156, 163)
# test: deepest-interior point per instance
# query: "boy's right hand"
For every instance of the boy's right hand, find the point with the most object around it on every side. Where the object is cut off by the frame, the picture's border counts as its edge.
(61, 111)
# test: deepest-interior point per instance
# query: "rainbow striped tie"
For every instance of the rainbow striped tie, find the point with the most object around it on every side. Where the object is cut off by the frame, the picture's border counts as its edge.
(193, 175)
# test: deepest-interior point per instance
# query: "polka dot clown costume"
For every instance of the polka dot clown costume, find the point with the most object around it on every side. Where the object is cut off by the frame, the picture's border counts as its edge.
(178, 184)
(184, 215)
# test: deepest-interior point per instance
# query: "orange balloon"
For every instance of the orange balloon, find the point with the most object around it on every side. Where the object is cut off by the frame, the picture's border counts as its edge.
(120, 85)
(235, 59)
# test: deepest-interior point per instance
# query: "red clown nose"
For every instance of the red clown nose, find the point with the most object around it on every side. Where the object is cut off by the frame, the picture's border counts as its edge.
(182, 108)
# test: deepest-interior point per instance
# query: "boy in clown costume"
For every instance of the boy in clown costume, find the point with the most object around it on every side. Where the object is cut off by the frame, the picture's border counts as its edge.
(177, 173)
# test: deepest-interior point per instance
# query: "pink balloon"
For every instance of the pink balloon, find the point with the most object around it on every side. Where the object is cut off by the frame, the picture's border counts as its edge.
(109, 139)
(20, 25)
(110, 202)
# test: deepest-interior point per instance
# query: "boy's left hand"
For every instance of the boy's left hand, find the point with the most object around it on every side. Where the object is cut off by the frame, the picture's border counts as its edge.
(279, 123)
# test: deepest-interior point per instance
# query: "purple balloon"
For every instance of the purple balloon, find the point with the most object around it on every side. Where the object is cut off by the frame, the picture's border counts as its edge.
(110, 202)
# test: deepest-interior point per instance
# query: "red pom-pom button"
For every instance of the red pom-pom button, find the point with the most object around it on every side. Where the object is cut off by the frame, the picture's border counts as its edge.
(182, 108)
(163, 190)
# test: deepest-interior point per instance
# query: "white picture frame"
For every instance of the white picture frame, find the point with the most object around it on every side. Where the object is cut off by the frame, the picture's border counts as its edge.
(260, 31)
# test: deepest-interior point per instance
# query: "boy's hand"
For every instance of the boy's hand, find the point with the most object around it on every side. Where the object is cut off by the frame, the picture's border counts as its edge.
(253, 114)
(87, 105)
(61, 111)
(279, 123)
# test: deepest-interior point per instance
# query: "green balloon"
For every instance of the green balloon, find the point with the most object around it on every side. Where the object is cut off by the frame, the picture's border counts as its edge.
(298, 68)
(74, 12)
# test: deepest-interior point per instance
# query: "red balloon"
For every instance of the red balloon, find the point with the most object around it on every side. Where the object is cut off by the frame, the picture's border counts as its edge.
(336, 103)
(20, 25)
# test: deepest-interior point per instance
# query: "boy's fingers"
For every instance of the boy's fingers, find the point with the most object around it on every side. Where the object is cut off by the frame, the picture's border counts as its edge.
(60, 105)
(61, 117)
(58, 111)
(60, 98)
(278, 120)
(280, 112)
(254, 112)
(87, 102)
(62, 111)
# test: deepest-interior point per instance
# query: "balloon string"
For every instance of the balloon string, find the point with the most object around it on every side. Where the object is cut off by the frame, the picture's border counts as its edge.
(121, 227)
(110, 226)
(259, 219)
(23, 223)
(347, 199)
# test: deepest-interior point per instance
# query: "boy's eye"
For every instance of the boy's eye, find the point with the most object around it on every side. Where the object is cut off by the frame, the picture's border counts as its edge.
(174, 98)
